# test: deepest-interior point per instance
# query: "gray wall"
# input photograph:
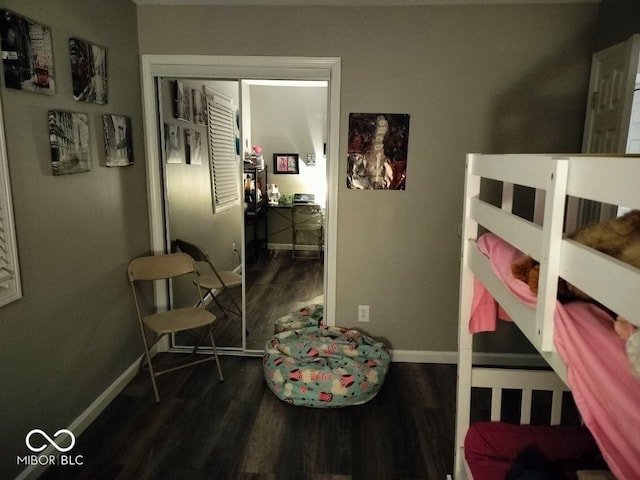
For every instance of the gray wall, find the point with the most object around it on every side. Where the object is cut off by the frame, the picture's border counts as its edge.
(474, 78)
(492, 78)
(292, 120)
(74, 331)
(617, 21)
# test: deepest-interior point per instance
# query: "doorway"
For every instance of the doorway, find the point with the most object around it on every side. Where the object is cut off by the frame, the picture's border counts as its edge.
(155, 67)
(611, 121)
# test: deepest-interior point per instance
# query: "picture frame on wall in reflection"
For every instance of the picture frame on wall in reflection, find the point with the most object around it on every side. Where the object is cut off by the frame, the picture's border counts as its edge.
(286, 163)
(173, 143)
(181, 101)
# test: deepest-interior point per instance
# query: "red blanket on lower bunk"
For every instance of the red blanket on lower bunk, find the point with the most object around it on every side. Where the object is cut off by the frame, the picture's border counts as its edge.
(493, 449)
(598, 372)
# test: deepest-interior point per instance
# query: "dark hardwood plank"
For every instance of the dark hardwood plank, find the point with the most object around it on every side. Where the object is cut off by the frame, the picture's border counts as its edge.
(276, 285)
(237, 429)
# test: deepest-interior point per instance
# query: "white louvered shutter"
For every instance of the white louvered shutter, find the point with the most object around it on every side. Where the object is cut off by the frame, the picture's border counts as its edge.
(222, 150)
(10, 288)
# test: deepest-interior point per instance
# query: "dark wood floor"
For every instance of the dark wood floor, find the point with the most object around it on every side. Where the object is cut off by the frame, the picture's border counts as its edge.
(276, 286)
(239, 430)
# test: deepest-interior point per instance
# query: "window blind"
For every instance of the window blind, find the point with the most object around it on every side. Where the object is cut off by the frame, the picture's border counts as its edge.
(222, 150)
(10, 288)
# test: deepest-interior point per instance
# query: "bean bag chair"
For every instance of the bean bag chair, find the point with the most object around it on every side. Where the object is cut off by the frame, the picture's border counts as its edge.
(308, 316)
(325, 367)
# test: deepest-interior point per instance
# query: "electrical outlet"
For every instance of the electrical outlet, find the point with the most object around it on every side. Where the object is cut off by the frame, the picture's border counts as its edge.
(363, 313)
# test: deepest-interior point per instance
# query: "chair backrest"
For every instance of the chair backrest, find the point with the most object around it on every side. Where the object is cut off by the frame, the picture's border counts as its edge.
(198, 254)
(307, 215)
(158, 267)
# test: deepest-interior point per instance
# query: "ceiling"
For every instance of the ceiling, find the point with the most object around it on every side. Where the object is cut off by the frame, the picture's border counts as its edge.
(352, 2)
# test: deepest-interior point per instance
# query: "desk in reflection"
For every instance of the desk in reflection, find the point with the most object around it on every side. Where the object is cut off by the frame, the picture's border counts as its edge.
(309, 227)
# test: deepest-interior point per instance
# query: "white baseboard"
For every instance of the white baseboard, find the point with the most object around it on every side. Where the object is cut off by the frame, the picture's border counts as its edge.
(418, 356)
(497, 359)
(289, 246)
(85, 419)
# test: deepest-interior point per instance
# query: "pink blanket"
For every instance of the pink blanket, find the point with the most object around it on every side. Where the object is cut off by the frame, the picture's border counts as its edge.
(598, 372)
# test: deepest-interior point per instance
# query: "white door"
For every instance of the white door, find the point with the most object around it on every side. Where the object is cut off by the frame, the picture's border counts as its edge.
(633, 137)
(613, 78)
(608, 118)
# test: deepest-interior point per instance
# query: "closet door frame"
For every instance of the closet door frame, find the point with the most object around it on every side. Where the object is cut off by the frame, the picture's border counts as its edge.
(236, 68)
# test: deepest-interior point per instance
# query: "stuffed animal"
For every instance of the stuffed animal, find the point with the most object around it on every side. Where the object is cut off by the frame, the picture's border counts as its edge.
(631, 335)
(619, 238)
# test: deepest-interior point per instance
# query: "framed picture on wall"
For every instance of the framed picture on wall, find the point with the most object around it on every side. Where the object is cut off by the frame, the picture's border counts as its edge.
(117, 140)
(27, 54)
(88, 71)
(377, 149)
(286, 163)
(69, 139)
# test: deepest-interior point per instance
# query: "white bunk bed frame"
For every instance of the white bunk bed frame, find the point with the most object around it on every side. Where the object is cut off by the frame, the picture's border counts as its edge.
(612, 180)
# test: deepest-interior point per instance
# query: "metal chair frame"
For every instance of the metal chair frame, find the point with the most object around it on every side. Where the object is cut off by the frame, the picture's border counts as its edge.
(186, 319)
(307, 218)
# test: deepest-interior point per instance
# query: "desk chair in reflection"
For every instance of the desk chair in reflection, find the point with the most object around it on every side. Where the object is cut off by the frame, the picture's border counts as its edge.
(194, 319)
(307, 218)
(215, 281)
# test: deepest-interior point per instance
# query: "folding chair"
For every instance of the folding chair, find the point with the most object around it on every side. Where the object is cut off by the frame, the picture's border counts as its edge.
(165, 267)
(216, 281)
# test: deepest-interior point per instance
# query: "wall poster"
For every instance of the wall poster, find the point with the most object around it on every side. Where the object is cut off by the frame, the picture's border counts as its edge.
(377, 151)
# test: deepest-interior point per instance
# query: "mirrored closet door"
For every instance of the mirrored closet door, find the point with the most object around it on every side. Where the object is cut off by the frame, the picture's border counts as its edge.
(209, 179)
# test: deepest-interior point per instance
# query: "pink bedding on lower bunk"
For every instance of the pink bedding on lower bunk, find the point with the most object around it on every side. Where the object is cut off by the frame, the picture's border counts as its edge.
(598, 372)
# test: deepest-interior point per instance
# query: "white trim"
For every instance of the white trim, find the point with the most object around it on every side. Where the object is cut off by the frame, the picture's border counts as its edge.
(451, 358)
(353, 3)
(288, 83)
(85, 419)
(10, 283)
(289, 246)
(237, 68)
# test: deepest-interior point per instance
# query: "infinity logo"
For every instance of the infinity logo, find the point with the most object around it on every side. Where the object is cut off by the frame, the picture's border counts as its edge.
(51, 441)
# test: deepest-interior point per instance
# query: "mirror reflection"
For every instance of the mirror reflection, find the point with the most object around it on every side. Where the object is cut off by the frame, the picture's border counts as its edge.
(259, 146)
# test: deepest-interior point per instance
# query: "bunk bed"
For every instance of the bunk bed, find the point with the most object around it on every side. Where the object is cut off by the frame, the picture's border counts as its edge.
(577, 339)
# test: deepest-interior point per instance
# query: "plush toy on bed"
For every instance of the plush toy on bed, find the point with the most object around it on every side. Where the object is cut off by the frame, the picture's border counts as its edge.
(631, 335)
(619, 238)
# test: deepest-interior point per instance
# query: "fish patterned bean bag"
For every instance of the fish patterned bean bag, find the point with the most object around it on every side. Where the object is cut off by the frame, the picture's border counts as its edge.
(325, 367)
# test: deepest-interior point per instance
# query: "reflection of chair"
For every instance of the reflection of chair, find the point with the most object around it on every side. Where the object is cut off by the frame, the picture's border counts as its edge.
(215, 281)
(164, 267)
(307, 218)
